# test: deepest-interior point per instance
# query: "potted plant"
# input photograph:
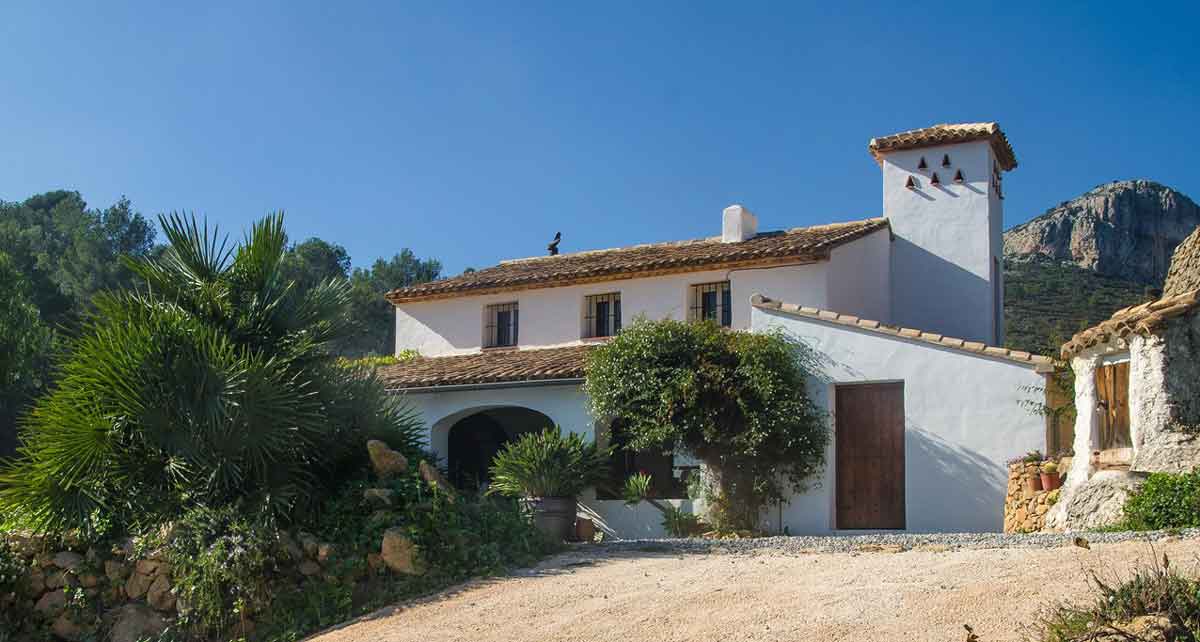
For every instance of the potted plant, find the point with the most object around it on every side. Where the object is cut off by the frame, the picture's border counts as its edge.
(1049, 475)
(548, 470)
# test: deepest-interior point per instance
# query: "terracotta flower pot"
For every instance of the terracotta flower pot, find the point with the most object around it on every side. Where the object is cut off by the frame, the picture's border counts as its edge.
(1050, 481)
(1033, 483)
(585, 530)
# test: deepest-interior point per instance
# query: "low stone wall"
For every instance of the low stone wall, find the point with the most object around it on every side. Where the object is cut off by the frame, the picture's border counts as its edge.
(67, 590)
(1025, 511)
(78, 593)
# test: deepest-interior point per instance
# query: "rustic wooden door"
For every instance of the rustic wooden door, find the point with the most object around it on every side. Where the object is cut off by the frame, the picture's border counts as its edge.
(1112, 386)
(870, 455)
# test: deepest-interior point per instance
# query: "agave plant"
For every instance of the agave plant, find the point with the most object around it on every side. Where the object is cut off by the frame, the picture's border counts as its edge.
(212, 383)
(548, 464)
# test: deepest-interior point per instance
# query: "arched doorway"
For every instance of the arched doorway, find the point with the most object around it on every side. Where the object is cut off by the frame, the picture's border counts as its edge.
(474, 440)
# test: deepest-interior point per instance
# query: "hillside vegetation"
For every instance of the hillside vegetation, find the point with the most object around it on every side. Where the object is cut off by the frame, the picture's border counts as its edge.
(1045, 302)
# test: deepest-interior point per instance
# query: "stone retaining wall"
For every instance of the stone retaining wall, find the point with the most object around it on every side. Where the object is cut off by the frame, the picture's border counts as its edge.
(1025, 511)
(76, 592)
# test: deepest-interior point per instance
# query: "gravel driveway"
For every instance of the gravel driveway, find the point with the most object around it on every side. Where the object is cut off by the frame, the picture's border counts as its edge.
(873, 588)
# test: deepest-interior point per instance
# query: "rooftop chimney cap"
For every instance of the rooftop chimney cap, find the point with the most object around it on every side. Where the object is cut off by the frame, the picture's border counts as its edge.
(738, 224)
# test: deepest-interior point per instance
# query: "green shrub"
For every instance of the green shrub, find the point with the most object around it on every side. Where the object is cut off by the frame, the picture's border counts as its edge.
(1155, 591)
(1164, 501)
(548, 464)
(213, 385)
(737, 401)
(677, 523)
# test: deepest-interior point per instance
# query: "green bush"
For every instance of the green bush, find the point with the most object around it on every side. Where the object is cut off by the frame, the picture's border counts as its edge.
(737, 401)
(1156, 591)
(231, 569)
(548, 464)
(680, 524)
(1165, 500)
(212, 385)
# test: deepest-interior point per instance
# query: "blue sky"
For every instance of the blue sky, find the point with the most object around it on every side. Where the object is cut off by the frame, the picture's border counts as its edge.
(472, 132)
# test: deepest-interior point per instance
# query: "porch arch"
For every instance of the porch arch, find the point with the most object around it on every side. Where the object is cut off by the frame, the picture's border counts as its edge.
(469, 439)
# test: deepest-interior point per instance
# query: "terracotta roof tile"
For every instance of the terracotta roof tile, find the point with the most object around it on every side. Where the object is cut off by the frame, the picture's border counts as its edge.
(1041, 362)
(1184, 274)
(1147, 318)
(945, 134)
(489, 366)
(799, 244)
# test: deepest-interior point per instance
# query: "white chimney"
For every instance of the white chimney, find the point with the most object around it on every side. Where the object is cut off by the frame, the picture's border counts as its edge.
(738, 224)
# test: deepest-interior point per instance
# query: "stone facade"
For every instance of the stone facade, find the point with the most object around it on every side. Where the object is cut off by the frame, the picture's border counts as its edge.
(1024, 509)
(76, 592)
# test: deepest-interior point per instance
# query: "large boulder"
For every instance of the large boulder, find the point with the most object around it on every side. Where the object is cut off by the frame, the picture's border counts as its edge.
(52, 604)
(135, 622)
(399, 552)
(159, 595)
(1097, 503)
(67, 560)
(386, 462)
(138, 584)
(434, 478)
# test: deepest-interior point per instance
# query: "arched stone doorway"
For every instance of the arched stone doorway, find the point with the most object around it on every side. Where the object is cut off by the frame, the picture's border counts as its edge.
(474, 440)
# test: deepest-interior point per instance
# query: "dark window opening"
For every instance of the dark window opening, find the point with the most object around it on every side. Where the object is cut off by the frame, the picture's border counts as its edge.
(602, 315)
(502, 325)
(712, 302)
(667, 481)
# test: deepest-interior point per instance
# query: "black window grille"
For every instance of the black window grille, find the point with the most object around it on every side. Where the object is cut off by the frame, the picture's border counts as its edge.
(503, 323)
(712, 302)
(667, 481)
(602, 315)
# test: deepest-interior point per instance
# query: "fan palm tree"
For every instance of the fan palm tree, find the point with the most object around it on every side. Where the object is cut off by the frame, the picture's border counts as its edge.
(212, 383)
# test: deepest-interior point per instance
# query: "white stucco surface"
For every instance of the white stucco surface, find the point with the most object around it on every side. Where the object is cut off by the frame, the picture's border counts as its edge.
(947, 238)
(963, 420)
(854, 280)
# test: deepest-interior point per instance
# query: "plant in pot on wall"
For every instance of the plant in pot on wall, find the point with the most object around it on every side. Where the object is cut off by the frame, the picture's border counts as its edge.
(1049, 475)
(548, 470)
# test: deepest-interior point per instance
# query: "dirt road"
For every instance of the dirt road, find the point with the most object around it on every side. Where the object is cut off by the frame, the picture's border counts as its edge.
(631, 596)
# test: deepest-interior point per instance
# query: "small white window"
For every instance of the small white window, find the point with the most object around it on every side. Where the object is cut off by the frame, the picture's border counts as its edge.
(602, 315)
(502, 324)
(711, 302)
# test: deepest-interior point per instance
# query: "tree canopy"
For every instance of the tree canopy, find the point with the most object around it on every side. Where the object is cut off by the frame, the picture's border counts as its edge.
(736, 400)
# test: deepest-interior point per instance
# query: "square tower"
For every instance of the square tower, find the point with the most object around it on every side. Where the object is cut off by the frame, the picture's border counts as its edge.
(943, 195)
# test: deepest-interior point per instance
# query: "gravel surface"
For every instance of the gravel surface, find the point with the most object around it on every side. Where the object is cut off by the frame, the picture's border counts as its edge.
(861, 589)
(902, 541)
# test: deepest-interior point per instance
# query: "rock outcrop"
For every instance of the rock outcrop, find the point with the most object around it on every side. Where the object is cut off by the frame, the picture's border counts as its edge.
(1125, 229)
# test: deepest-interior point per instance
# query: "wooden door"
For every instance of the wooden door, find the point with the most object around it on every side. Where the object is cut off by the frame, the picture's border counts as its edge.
(870, 455)
(1112, 386)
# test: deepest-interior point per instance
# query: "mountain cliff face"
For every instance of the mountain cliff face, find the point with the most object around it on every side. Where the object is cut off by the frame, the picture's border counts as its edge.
(1125, 230)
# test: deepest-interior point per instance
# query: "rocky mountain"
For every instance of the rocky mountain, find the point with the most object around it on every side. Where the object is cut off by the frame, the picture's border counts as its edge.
(1124, 230)
(1075, 265)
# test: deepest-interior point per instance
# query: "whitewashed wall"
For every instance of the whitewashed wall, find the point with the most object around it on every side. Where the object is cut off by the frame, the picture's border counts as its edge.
(963, 420)
(554, 316)
(946, 240)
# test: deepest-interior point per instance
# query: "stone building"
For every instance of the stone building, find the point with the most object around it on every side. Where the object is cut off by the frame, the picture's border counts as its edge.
(1137, 393)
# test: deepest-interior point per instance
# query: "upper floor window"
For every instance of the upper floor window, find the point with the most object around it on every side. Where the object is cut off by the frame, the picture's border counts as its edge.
(713, 302)
(602, 315)
(501, 326)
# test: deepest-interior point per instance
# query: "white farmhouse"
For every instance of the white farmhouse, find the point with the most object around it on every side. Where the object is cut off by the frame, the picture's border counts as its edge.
(905, 306)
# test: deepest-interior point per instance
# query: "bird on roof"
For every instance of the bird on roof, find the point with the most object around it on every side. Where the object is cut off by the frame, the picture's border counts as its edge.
(553, 247)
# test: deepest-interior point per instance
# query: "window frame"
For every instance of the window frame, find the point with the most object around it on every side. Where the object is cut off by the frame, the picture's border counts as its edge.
(492, 324)
(591, 323)
(723, 302)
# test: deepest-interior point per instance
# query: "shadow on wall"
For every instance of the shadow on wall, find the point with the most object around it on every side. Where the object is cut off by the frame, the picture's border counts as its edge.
(950, 488)
(939, 295)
